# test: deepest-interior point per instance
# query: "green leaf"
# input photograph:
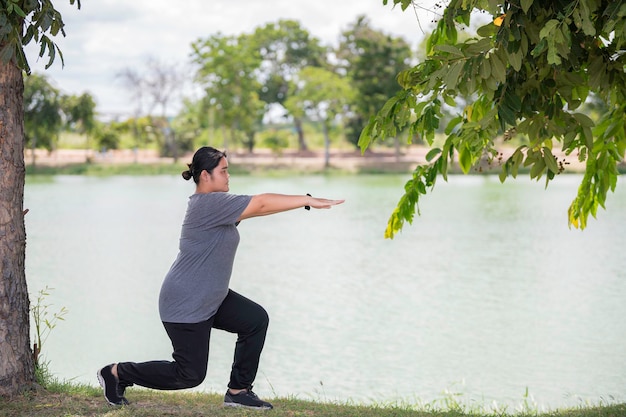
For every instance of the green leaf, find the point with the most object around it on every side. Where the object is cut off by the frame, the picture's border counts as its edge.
(515, 59)
(539, 48)
(28, 35)
(548, 28)
(506, 115)
(518, 159)
(488, 117)
(51, 54)
(490, 84)
(597, 72)
(449, 100)
(14, 7)
(503, 173)
(22, 62)
(478, 48)
(432, 154)
(450, 49)
(465, 159)
(613, 129)
(404, 78)
(42, 48)
(487, 31)
(550, 160)
(584, 120)
(588, 136)
(452, 124)
(365, 138)
(388, 106)
(5, 26)
(498, 71)
(512, 101)
(451, 34)
(588, 27)
(419, 109)
(553, 53)
(485, 69)
(526, 5)
(452, 77)
(7, 52)
(537, 169)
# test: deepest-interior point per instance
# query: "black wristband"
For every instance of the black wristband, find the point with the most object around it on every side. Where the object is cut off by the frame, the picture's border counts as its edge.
(307, 207)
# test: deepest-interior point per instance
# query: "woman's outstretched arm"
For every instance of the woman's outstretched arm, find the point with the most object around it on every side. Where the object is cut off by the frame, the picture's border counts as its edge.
(264, 204)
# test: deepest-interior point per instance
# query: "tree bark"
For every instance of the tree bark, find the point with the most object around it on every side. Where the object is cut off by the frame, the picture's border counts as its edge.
(302, 146)
(16, 361)
(326, 144)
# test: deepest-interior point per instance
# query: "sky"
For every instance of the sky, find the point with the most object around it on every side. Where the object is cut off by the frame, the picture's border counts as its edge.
(106, 36)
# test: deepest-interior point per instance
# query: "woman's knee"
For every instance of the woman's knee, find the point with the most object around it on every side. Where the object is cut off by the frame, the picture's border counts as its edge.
(191, 378)
(263, 318)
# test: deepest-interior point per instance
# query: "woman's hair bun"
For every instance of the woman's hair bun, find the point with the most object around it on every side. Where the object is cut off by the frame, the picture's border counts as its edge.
(205, 159)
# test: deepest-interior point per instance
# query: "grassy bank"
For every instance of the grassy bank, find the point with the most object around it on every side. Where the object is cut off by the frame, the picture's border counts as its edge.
(82, 401)
(240, 169)
(105, 170)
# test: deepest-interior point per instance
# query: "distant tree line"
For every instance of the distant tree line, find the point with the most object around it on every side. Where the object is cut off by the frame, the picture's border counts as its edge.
(278, 74)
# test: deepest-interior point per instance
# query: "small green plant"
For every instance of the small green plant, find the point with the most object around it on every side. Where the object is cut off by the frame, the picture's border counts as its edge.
(276, 141)
(44, 322)
(529, 405)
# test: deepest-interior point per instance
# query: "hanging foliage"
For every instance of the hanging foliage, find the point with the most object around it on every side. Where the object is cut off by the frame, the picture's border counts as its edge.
(528, 70)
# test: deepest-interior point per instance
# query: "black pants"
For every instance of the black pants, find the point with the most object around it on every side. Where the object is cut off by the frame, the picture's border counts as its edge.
(237, 314)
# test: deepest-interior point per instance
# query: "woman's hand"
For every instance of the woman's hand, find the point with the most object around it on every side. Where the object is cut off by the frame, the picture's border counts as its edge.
(322, 203)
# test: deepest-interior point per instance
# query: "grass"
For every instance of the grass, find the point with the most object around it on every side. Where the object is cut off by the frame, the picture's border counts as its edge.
(239, 169)
(68, 399)
(105, 170)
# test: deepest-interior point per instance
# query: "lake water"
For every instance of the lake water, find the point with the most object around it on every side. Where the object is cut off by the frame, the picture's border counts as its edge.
(487, 295)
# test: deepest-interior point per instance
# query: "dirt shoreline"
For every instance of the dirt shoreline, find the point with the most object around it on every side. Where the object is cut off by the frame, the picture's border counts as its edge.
(352, 161)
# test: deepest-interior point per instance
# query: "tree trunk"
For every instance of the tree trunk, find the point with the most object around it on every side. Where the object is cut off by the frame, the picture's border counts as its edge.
(16, 361)
(326, 144)
(302, 146)
(250, 141)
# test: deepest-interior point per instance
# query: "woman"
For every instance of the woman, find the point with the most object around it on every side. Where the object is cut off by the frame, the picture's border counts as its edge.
(195, 297)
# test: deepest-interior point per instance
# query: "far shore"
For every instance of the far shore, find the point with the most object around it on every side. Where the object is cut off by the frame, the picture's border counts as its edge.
(381, 160)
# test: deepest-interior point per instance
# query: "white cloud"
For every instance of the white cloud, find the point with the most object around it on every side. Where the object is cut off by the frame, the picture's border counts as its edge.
(106, 36)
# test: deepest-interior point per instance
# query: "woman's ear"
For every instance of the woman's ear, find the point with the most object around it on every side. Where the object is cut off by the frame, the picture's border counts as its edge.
(205, 176)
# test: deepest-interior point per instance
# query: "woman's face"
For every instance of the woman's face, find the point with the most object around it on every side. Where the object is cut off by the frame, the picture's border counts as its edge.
(220, 176)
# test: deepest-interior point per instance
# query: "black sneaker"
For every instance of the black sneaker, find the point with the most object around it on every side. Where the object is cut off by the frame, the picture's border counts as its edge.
(121, 389)
(246, 399)
(113, 392)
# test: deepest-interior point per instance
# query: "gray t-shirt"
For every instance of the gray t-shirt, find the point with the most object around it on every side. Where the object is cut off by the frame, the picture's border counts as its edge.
(197, 282)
